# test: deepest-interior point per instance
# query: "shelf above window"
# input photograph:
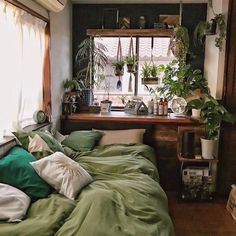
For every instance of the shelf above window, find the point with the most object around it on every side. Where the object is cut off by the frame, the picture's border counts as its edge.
(130, 32)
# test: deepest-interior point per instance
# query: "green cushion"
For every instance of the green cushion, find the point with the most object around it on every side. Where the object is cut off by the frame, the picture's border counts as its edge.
(52, 145)
(16, 170)
(83, 140)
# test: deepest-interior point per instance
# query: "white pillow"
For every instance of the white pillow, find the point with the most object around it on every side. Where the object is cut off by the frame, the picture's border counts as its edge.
(13, 203)
(121, 136)
(62, 173)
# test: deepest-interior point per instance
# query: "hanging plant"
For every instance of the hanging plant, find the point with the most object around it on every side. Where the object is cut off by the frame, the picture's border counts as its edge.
(131, 60)
(179, 43)
(215, 25)
(118, 67)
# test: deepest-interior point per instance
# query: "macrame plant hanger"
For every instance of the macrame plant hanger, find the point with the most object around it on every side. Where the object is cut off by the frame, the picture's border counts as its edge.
(119, 58)
(131, 67)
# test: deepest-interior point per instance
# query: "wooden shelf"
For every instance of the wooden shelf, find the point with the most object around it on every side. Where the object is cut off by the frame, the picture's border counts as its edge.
(182, 159)
(130, 32)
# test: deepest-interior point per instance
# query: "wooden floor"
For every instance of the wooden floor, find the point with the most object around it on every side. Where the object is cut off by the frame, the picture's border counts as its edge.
(201, 218)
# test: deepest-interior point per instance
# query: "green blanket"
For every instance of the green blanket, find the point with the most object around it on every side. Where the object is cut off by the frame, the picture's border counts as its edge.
(124, 199)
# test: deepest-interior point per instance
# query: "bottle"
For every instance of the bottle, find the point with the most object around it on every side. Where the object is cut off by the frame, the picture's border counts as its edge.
(165, 107)
(150, 106)
(155, 107)
(142, 22)
(161, 108)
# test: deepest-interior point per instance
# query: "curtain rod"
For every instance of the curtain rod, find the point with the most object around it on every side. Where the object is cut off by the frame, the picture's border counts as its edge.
(27, 9)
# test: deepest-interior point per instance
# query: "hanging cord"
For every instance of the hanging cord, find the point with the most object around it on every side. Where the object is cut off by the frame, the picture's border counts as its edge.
(131, 49)
(152, 45)
(119, 51)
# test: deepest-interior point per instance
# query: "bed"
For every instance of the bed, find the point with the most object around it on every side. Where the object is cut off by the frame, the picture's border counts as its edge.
(124, 199)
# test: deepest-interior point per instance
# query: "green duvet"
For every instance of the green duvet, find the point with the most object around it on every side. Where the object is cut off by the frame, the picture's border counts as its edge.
(124, 199)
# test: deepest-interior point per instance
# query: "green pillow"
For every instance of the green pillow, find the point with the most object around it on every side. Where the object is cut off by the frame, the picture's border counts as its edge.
(16, 170)
(40, 144)
(82, 140)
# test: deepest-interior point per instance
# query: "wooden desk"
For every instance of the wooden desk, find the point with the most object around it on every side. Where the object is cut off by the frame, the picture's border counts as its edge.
(161, 134)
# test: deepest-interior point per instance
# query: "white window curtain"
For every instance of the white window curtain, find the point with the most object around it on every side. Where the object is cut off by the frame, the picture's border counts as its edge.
(22, 44)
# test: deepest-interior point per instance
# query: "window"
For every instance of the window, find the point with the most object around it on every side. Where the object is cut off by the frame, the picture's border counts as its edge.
(148, 49)
(22, 46)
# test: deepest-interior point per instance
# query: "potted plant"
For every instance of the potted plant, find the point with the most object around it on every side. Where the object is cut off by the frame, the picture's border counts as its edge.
(213, 114)
(196, 105)
(118, 67)
(90, 59)
(70, 85)
(131, 62)
(182, 80)
(146, 72)
(204, 28)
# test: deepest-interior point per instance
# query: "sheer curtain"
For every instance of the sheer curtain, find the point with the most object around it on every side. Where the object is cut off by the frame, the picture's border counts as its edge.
(21, 66)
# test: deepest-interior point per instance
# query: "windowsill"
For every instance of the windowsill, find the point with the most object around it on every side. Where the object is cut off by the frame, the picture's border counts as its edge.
(8, 139)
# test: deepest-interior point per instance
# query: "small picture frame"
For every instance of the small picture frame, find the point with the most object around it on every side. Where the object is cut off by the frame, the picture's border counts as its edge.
(110, 19)
(124, 22)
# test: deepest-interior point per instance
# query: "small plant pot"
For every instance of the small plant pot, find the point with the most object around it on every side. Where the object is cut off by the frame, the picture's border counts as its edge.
(150, 80)
(209, 148)
(130, 68)
(119, 71)
(196, 114)
(106, 106)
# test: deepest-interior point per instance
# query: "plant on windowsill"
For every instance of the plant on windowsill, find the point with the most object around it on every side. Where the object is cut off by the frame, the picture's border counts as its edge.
(90, 59)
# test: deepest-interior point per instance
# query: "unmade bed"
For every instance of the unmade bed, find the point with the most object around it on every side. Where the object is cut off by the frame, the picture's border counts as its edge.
(124, 199)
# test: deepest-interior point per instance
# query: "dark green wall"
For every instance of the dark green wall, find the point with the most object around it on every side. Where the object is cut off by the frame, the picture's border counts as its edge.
(87, 16)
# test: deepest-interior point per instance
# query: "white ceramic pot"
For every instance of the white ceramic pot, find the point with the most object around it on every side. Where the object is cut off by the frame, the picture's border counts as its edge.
(106, 106)
(196, 113)
(209, 148)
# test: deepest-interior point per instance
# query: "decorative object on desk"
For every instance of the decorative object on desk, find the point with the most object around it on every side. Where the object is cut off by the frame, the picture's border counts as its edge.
(188, 145)
(106, 106)
(124, 22)
(170, 21)
(142, 22)
(196, 105)
(110, 19)
(39, 116)
(178, 105)
(136, 107)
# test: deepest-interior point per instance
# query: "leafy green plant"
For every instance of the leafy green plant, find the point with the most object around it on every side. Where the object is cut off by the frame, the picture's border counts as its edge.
(155, 69)
(179, 43)
(182, 80)
(118, 64)
(131, 60)
(204, 28)
(213, 114)
(146, 70)
(90, 59)
(196, 103)
(71, 84)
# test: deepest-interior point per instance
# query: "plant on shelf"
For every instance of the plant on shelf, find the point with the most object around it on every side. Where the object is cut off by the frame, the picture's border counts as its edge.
(179, 43)
(118, 67)
(131, 62)
(217, 23)
(70, 85)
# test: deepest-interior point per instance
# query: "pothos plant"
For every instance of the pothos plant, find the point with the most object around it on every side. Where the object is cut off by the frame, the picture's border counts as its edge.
(215, 25)
(182, 80)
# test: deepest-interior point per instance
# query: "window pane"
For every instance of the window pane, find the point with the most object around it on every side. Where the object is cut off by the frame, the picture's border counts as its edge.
(106, 81)
(158, 55)
(21, 59)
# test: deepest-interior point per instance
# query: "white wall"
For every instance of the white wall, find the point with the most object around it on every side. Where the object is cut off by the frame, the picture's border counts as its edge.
(60, 56)
(215, 59)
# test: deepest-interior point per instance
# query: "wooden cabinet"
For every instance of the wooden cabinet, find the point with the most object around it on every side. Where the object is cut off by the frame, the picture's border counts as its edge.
(161, 134)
